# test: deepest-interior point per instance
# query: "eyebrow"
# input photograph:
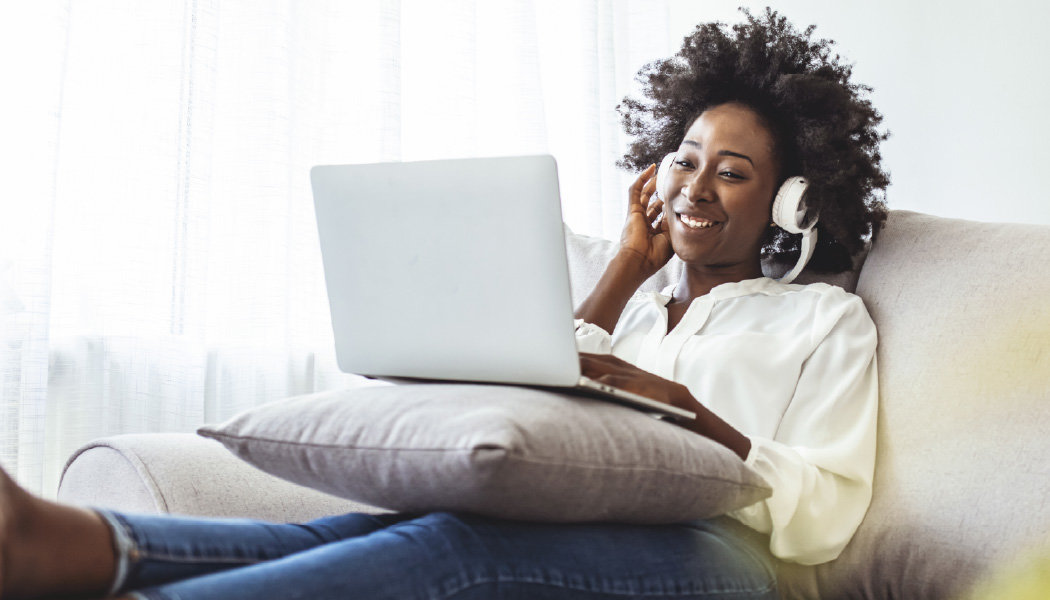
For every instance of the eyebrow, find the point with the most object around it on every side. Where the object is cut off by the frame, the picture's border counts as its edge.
(723, 152)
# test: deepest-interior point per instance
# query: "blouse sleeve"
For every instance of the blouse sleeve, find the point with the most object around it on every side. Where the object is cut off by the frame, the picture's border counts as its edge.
(821, 461)
(591, 338)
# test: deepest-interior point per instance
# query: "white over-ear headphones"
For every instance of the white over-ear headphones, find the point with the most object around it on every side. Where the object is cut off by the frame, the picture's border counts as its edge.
(789, 212)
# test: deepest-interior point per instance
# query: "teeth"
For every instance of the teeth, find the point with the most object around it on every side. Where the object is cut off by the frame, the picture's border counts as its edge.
(696, 223)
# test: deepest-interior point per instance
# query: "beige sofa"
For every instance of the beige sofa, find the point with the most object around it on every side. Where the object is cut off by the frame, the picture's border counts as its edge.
(962, 482)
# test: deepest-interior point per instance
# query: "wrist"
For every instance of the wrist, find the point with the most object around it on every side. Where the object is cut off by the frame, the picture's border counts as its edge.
(684, 399)
(710, 425)
(632, 266)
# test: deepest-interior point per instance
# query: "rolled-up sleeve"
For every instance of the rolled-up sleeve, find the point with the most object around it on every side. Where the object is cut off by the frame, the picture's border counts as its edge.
(821, 461)
(591, 338)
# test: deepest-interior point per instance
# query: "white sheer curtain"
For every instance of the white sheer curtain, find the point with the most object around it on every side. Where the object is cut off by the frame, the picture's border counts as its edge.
(158, 255)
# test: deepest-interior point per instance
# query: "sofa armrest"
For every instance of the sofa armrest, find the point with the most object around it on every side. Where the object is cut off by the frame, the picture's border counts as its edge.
(182, 473)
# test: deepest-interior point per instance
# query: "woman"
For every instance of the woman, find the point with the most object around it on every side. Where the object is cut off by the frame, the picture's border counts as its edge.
(783, 375)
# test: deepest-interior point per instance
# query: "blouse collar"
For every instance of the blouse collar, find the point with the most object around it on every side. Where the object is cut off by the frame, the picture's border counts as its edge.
(732, 289)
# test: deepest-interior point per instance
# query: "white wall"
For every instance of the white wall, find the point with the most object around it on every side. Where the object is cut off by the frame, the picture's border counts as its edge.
(963, 87)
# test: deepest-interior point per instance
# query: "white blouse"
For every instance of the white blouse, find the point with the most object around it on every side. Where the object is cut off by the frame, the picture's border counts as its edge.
(793, 368)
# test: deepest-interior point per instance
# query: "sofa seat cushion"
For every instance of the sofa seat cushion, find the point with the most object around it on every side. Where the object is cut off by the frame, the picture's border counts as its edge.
(502, 451)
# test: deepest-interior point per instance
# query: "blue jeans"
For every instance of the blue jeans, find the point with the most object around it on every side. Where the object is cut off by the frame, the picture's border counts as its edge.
(435, 556)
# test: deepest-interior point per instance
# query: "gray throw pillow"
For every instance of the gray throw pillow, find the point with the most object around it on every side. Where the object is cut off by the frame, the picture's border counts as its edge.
(502, 451)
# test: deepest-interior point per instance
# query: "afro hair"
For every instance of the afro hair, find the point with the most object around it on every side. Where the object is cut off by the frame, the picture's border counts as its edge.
(823, 125)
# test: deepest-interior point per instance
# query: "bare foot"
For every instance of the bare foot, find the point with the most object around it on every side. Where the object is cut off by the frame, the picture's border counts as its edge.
(48, 548)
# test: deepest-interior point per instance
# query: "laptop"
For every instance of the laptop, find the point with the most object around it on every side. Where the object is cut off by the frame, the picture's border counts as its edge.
(454, 270)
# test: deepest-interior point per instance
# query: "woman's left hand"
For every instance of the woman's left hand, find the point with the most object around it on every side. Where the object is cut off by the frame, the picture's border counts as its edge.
(617, 372)
(621, 374)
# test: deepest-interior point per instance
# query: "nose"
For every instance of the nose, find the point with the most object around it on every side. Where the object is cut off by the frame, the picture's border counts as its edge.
(698, 186)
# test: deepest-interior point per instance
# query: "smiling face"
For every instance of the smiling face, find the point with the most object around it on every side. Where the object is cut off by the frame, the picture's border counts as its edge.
(721, 191)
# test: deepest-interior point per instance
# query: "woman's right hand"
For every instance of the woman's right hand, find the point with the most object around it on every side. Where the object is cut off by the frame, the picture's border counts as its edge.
(645, 237)
(645, 246)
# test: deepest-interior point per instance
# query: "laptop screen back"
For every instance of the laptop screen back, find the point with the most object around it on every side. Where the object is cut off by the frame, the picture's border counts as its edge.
(450, 269)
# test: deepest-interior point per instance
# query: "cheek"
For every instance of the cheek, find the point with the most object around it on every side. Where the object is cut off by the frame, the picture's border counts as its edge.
(750, 223)
(753, 211)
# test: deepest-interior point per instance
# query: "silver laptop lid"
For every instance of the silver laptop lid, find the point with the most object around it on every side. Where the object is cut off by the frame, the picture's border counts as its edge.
(448, 269)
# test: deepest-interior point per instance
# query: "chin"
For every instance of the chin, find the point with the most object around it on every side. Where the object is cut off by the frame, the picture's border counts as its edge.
(687, 254)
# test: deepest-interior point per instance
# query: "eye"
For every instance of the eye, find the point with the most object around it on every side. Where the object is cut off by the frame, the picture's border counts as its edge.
(685, 164)
(731, 175)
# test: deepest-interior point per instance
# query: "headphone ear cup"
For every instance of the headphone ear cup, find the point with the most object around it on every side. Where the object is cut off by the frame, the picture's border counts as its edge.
(663, 177)
(789, 206)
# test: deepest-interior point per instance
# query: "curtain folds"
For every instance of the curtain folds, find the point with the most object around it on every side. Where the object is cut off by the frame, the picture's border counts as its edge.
(159, 266)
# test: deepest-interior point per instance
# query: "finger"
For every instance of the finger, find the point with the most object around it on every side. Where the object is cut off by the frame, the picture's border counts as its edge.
(647, 190)
(634, 194)
(622, 382)
(595, 366)
(630, 383)
(654, 209)
(605, 363)
(659, 225)
(591, 366)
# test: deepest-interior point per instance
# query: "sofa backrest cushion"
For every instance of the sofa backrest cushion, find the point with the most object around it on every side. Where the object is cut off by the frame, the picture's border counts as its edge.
(962, 477)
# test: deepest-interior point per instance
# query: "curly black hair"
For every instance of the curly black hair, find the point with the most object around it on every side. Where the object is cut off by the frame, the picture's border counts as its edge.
(823, 126)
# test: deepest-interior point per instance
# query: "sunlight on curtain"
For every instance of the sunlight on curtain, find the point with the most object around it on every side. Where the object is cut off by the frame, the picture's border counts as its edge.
(159, 265)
